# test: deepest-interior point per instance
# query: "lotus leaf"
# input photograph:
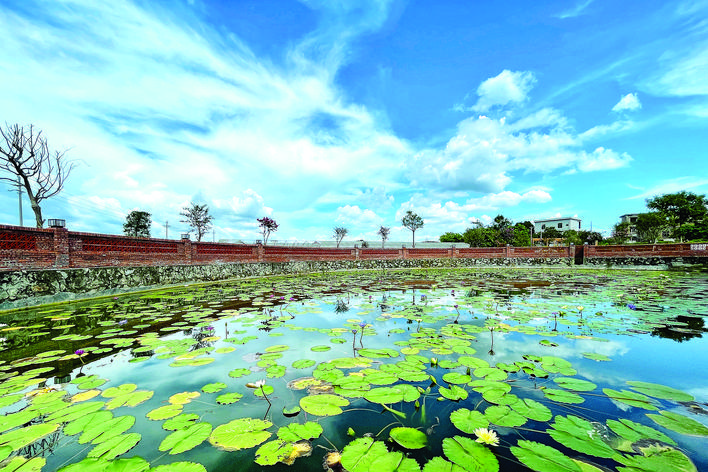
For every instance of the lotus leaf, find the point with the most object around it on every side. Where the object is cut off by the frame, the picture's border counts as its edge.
(320, 348)
(348, 362)
(73, 411)
(213, 387)
(630, 398)
(91, 464)
(115, 446)
(22, 437)
(472, 362)
(660, 391)
(164, 412)
(180, 421)
(113, 392)
(303, 363)
(296, 432)
(410, 438)
(438, 464)
(22, 464)
(13, 420)
(556, 365)
(378, 353)
(98, 432)
(596, 357)
(242, 433)
(562, 396)
(360, 454)
(578, 385)
(323, 405)
(490, 373)
(267, 389)
(79, 424)
(657, 458)
(192, 362)
(580, 435)
(185, 439)
(454, 393)
(543, 458)
(634, 432)
(679, 423)
(180, 467)
(468, 420)
(276, 451)
(183, 398)
(532, 409)
(129, 399)
(470, 455)
(502, 415)
(456, 378)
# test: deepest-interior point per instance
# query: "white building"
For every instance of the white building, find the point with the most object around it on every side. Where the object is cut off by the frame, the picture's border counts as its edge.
(561, 224)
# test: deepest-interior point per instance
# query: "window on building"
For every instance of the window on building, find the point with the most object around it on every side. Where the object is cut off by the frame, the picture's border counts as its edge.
(543, 226)
(560, 225)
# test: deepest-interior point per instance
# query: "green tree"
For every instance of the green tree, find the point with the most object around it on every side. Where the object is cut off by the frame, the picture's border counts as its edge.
(551, 233)
(198, 218)
(571, 236)
(450, 237)
(680, 208)
(649, 226)
(137, 224)
(479, 236)
(413, 222)
(339, 233)
(620, 232)
(384, 231)
(589, 237)
(522, 235)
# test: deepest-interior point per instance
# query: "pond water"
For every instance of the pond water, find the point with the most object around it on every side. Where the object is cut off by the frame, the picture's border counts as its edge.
(527, 369)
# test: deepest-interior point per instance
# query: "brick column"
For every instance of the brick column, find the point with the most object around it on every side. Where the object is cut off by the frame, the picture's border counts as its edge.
(187, 250)
(404, 252)
(61, 247)
(260, 249)
(507, 253)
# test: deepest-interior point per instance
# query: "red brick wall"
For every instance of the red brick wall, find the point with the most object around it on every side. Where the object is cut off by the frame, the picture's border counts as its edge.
(28, 248)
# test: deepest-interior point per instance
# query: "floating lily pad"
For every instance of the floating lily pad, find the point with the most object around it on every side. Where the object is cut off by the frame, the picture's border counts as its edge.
(185, 439)
(580, 435)
(297, 432)
(660, 391)
(470, 455)
(630, 398)
(115, 446)
(323, 405)
(409, 438)
(242, 433)
(679, 423)
(213, 387)
(543, 458)
(467, 420)
(164, 412)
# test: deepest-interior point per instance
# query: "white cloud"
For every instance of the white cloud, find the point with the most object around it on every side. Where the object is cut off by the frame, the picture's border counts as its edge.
(672, 186)
(577, 10)
(628, 102)
(351, 216)
(602, 159)
(507, 87)
(248, 206)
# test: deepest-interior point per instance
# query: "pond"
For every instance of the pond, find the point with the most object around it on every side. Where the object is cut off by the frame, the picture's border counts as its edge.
(499, 369)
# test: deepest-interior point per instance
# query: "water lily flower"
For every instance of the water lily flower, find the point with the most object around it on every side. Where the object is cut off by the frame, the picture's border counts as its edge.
(259, 383)
(209, 328)
(362, 325)
(486, 436)
(580, 308)
(79, 352)
(631, 306)
(122, 322)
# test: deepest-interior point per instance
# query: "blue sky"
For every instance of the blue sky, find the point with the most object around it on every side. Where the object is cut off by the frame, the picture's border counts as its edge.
(324, 113)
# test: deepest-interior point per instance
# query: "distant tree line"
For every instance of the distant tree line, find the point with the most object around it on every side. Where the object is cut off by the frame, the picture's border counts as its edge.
(682, 216)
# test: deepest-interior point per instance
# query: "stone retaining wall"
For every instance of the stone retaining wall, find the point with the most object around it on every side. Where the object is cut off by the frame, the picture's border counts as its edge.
(26, 288)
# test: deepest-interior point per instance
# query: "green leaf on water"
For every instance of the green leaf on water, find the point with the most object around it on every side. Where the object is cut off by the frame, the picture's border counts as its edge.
(323, 405)
(115, 446)
(409, 438)
(297, 432)
(242, 433)
(164, 412)
(468, 420)
(229, 398)
(180, 421)
(73, 411)
(303, 363)
(633, 432)
(562, 396)
(213, 387)
(454, 393)
(22, 464)
(679, 423)
(578, 385)
(185, 439)
(580, 435)
(98, 432)
(180, 467)
(456, 378)
(469, 454)
(113, 392)
(438, 464)
(320, 348)
(502, 415)
(543, 458)
(236, 373)
(660, 391)
(129, 399)
(630, 398)
(596, 357)
(91, 464)
(79, 424)
(532, 409)
(657, 458)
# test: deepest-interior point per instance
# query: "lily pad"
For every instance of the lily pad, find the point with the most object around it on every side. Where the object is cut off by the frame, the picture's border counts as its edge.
(543, 458)
(115, 446)
(242, 433)
(469, 454)
(296, 432)
(679, 423)
(185, 439)
(468, 420)
(580, 435)
(323, 405)
(410, 438)
(660, 391)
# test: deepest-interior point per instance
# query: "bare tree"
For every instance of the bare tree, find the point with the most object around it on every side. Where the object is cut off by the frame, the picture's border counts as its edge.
(24, 153)
(384, 232)
(339, 233)
(413, 222)
(198, 218)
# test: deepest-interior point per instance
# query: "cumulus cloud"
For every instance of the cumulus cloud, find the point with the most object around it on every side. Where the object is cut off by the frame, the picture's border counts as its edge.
(507, 87)
(602, 159)
(354, 217)
(248, 206)
(629, 102)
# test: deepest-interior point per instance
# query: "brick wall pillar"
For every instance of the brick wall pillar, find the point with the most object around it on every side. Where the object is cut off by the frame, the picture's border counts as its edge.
(260, 250)
(356, 253)
(187, 249)
(61, 247)
(507, 253)
(404, 252)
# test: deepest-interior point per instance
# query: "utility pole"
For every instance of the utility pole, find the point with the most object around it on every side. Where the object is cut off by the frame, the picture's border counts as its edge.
(167, 225)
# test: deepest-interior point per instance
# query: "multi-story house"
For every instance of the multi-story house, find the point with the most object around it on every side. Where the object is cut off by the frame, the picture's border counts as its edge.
(561, 224)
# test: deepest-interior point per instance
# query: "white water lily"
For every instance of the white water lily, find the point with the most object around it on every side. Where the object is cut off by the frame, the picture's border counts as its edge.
(486, 436)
